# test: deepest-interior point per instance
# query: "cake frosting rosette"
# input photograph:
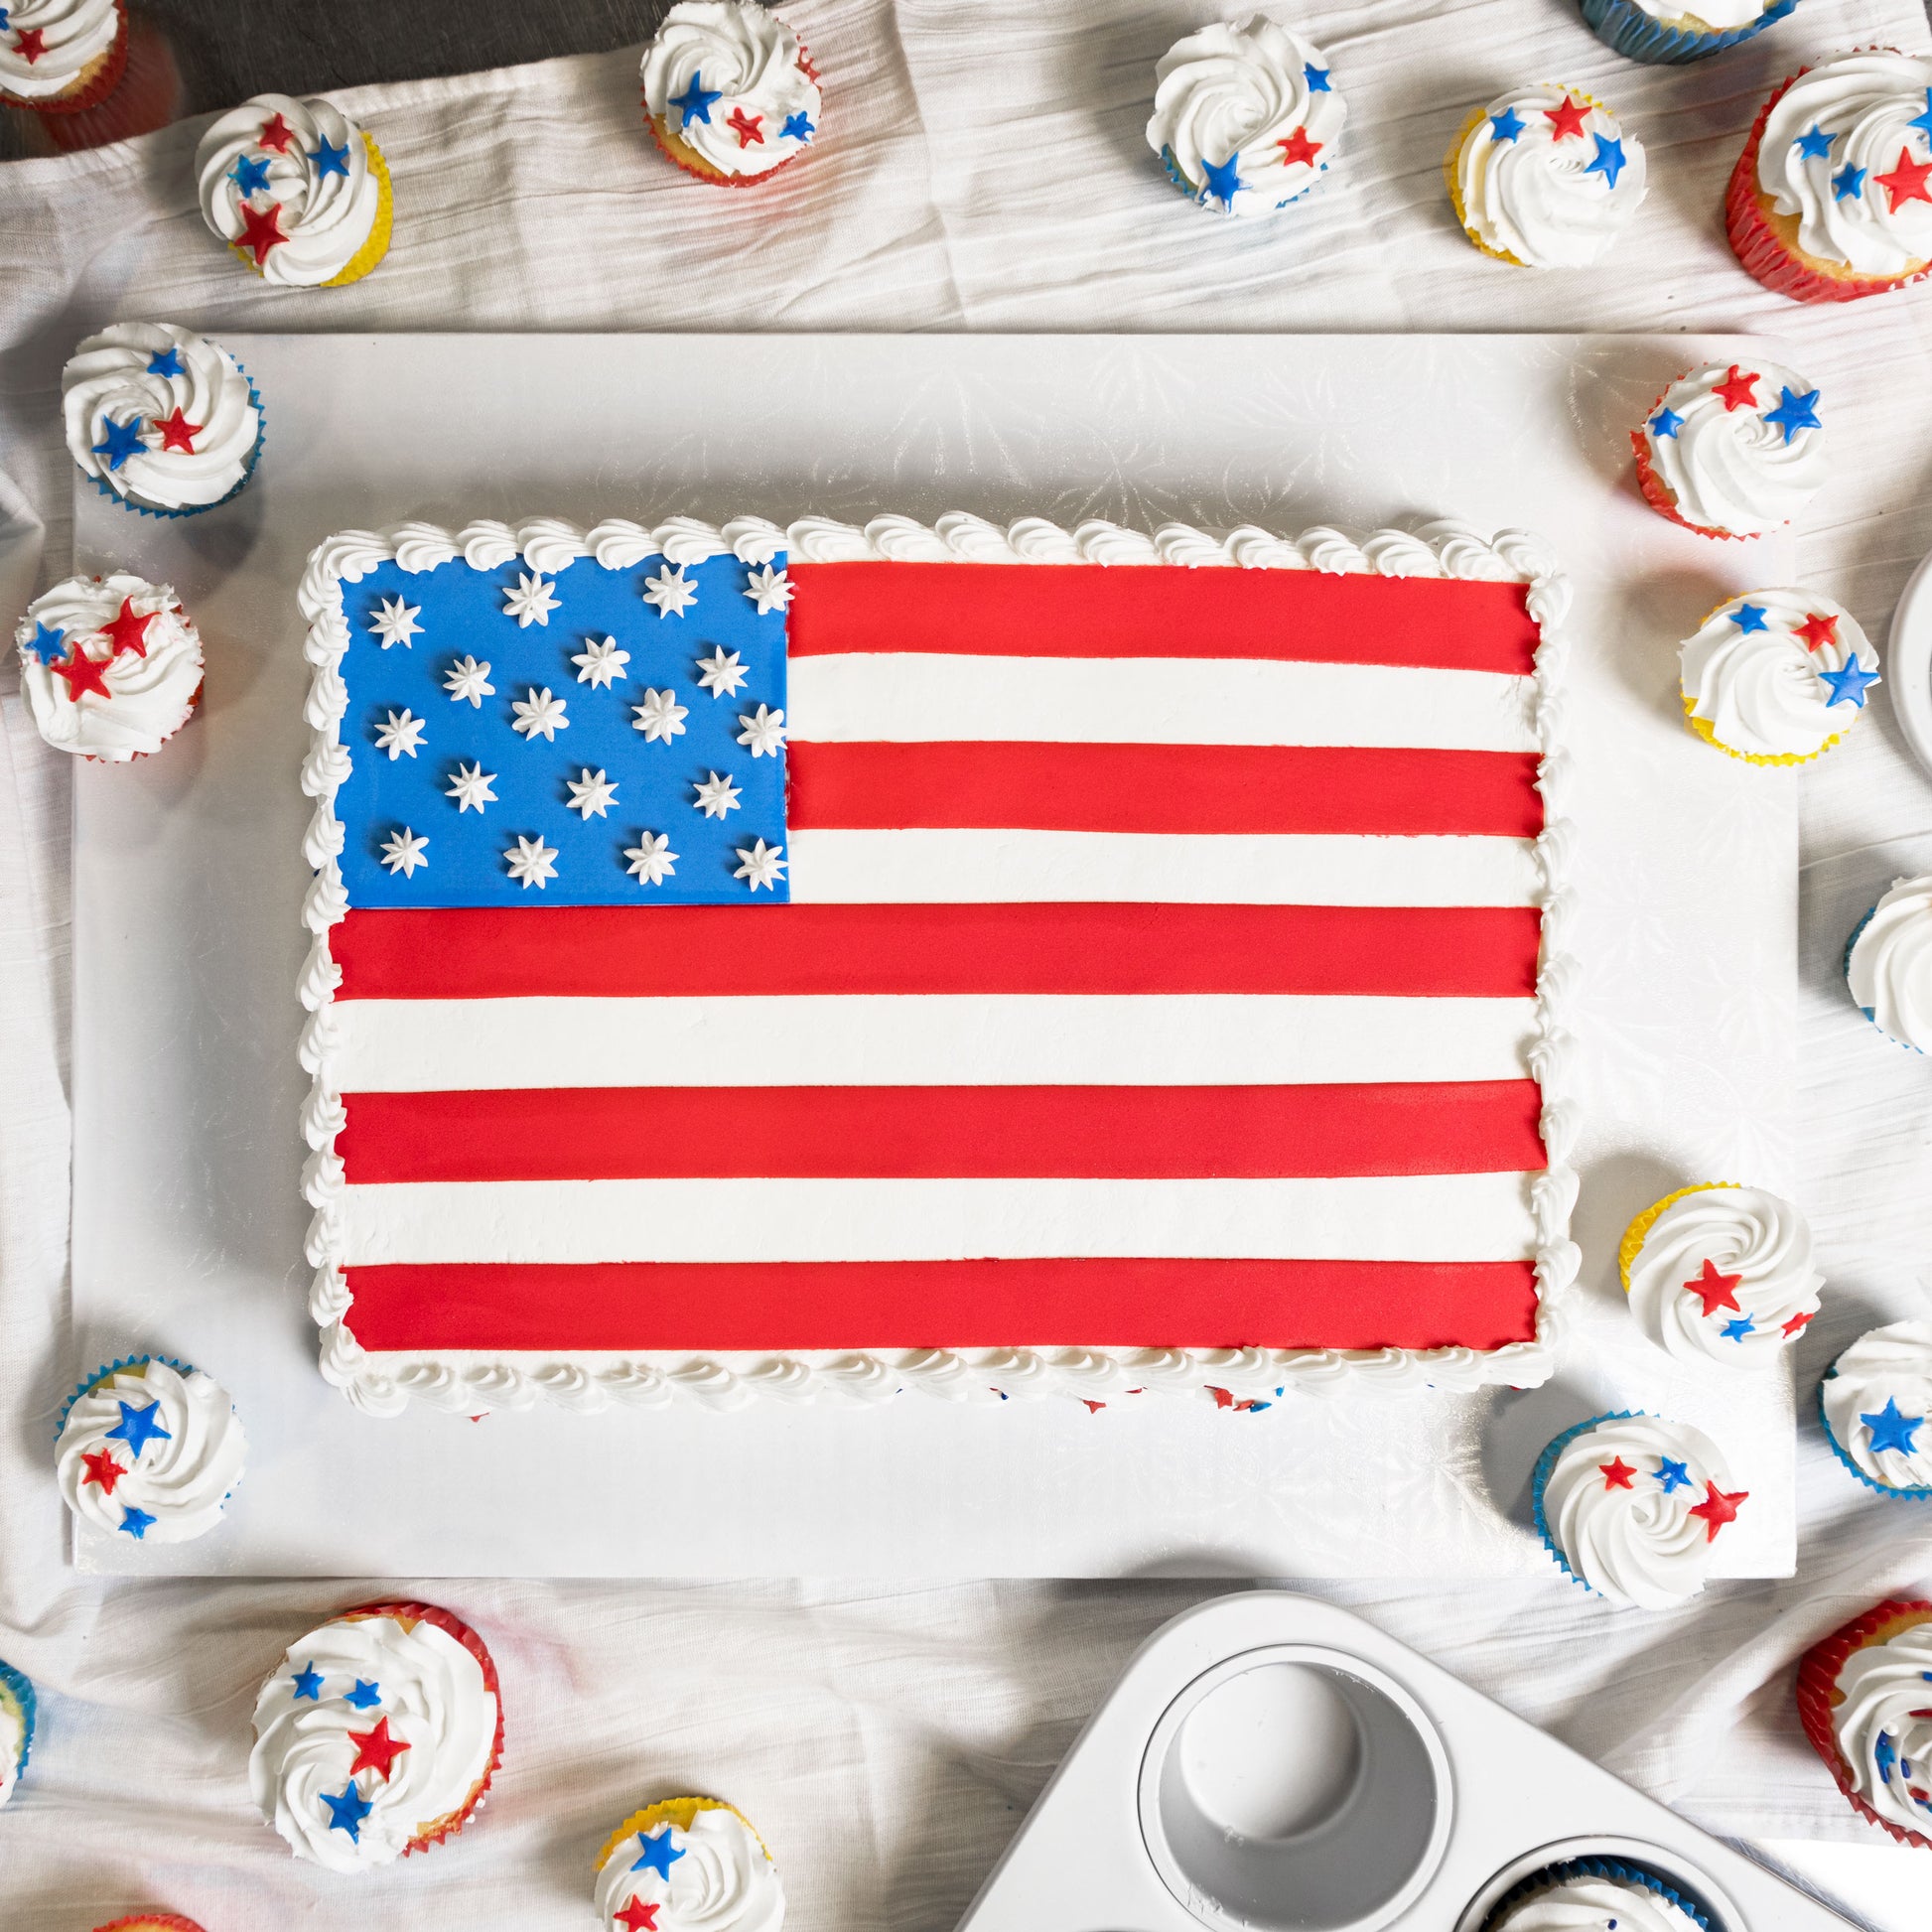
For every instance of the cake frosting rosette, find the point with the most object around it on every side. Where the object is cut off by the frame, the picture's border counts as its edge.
(1545, 176)
(58, 57)
(730, 94)
(1832, 196)
(1776, 677)
(111, 665)
(150, 1449)
(1246, 116)
(1888, 963)
(1865, 1698)
(688, 1864)
(1592, 1894)
(16, 1727)
(377, 1735)
(1721, 1273)
(1732, 452)
(297, 189)
(160, 418)
(1631, 1506)
(1670, 31)
(1876, 1405)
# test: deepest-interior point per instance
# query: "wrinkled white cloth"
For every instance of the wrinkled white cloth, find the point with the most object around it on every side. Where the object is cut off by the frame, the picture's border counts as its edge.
(982, 166)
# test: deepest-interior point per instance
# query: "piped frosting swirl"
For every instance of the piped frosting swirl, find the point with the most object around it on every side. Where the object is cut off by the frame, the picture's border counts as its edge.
(1588, 1903)
(1770, 674)
(1889, 966)
(1877, 1404)
(1740, 450)
(730, 81)
(1883, 1727)
(45, 46)
(708, 1875)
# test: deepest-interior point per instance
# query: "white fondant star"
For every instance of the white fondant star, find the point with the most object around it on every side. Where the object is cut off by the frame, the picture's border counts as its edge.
(768, 588)
(470, 786)
(531, 862)
(539, 715)
(716, 797)
(395, 621)
(670, 594)
(598, 662)
(591, 793)
(532, 602)
(765, 730)
(721, 673)
(661, 717)
(652, 859)
(763, 865)
(469, 682)
(403, 852)
(401, 734)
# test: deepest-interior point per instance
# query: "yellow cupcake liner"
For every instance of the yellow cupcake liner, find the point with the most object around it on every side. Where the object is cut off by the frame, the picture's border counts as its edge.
(1633, 1235)
(1452, 175)
(1701, 726)
(376, 247)
(676, 1812)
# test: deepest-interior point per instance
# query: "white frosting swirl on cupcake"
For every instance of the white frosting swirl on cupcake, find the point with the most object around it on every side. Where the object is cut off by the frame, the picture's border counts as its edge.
(1843, 152)
(12, 1738)
(731, 81)
(306, 159)
(1246, 113)
(47, 45)
(1711, 16)
(1549, 178)
(1636, 1504)
(151, 1453)
(1589, 1903)
(714, 1877)
(1726, 1274)
(161, 415)
(1877, 1402)
(140, 681)
(409, 1706)
(1890, 970)
(1770, 672)
(1883, 1727)
(1741, 450)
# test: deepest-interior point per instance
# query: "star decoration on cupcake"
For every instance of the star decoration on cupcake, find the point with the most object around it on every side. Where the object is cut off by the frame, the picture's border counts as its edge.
(347, 1811)
(637, 1917)
(1616, 1475)
(467, 681)
(102, 1469)
(696, 102)
(1506, 126)
(530, 600)
(395, 622)
(1567, 119)
(670, 593)
(1850, 685)
(1610, 160)
(119, 441)
(137, 1428)
(1738, 389)
(1222, 179)
(403, 851)
(376, 1750)
(1672, 1473)
(307, 1684)
(1795, 412)
(366, 1695)
(136, 1522)
(1890, 1429)
(261, 231)
(47, 644)
(659, 1854)
(1817, 629)
(1906, 182)
(1717, 1509)
(1714, 1290)
(126, 631)
(82, 674)
(329, 159)
(652, 859)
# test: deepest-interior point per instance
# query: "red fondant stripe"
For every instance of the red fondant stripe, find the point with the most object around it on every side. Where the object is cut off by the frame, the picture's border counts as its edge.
(1164, 788)
(1123, 1133)
(1158, 611)
(720, 1306)
(665, 952)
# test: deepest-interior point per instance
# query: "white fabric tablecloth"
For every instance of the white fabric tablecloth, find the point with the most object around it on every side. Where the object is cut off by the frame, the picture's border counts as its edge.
(982, 166)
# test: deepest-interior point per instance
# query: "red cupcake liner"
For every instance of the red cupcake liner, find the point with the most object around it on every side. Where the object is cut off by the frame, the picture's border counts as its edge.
(726, 181)
(1656, 493)
(452, 1627)
(1818, 1674)
(151, 1922)
(97, 89)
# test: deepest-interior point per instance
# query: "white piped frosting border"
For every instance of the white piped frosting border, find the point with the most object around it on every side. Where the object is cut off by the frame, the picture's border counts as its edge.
(382, 1383)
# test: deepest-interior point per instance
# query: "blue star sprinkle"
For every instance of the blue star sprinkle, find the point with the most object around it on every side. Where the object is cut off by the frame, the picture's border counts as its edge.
(136, 1522)
(694, 103)
(47, 644)
(307, 1684)
(1738, 1329)
(137, 1428)
(1748, 617)
(330, 159)
(1849, 685)
(1884, 1755)
(1848, 182)
(3, 20)
(364, 1696)
(1924, 121)
(1224, 182)
(1506, 126)
(1666, 422)
(166, 362)
(798, 127)
(123, 441)
(1671, 1475)
(1610, 160)
(1794, 413)
(1816, 144)
(250, 177)
(1892, 1431)
(1317, 80)
(346, 1814)
(659, 1856)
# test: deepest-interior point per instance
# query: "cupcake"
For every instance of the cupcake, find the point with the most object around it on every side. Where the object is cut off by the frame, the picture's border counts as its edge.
(1589, 1894)
(111, 666)
(160, 418)
(1831, 198)
(150, 1922)
(16, 1727)
(1731, 452)
(729, 93)
(1721, 1273)
(151, 1449)
(1876, 1405)
(1246, 117)
(377, 1737)
(688, 1864)
(1630, 1506)
(58, 57)
(1776, 677)
(1668, 30)
(297, 189)
(1545, 176)
(1865, 1705)
(1888, 964)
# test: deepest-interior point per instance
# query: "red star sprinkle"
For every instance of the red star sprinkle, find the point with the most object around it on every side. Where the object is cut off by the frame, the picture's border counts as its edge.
(103, 1469)
(1796, 1322)
(1718, 1509)
(1223, 1398)
(29, 42)
(1906, 182)
(1568, 119)
(84, 673)
(177, 431)
(1093, 1408)
(748, 127)
(1818, 630)
(375, 1751)
(638, 1917)
(1618, 1474)
(128, 632)
(1739, 391)
(276, 134)
(261, 231)
(1715, 1290)
(1297, 147)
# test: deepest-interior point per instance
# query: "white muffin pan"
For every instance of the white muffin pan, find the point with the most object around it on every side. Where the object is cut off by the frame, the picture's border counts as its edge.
(1271, 1763)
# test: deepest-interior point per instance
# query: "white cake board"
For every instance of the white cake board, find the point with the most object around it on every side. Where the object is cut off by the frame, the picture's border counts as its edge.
(188, 1218)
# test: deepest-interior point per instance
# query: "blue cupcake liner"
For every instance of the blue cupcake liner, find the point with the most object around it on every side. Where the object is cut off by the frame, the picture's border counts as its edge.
(1845, 968)
(15, 1685)
(1638, 37)
(1596, 1867)
(1839, 1451)
(101, 1374)
(1198, 195)
(1548, 1461)
(247, 470)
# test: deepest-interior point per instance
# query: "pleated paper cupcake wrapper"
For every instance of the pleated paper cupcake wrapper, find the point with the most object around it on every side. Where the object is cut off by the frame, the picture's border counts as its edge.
(1818, 1674)
(374, 246)
(151, 1922)
(1916, 1494)
(1593, 1868)
(1540, 1479)
(1634, 1235)
(685, 157)
(1638, 37)
(677, 1813)
(97, 86)
(101, 1375)
(436, 1830)
(16, 1689)
(1869, 1012)
(1703, 727)
(194, 509)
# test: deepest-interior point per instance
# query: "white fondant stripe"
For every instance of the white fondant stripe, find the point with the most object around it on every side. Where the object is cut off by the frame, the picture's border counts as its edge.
(1225, 869)
(925, 1040)
(1404, 1217)
(860, 697)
